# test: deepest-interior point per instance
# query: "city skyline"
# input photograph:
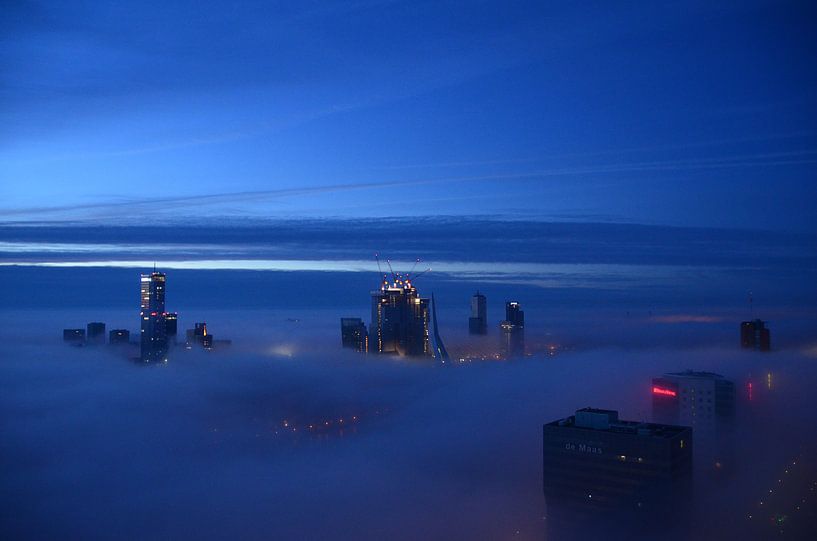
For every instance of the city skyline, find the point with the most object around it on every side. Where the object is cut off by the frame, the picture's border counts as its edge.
(408, 270)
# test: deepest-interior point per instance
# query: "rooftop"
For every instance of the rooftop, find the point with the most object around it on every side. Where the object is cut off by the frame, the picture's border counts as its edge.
(607, 421)
(693, 374)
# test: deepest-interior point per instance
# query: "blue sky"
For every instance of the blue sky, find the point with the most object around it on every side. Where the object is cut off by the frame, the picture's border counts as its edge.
(674, 113)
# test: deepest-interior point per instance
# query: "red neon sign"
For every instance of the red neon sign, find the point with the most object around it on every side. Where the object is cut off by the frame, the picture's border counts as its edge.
(666, 392)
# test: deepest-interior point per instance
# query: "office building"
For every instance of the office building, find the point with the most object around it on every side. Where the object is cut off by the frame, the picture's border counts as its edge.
(478, 322)
(514, 314)
(74, 336)
(153, 333)
(400, 320)
(693, 398)
(119, 337)
(706, 402)
(96, 333)
(353, 334)
(198, 336)
(512, 331)
(171, 326)
(593, 462)
(755, 335)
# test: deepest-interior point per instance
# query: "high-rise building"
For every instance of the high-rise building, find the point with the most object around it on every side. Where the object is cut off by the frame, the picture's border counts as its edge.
(353, 334)
(74, 336)
(706, 402)
(514, 314)
(171, 326)
(119, 336)
(593, 461)
(96, 333)
(755, 335)
(399, 320)
(478, 322)
(696, 399)
(153, 318)
(512, 331)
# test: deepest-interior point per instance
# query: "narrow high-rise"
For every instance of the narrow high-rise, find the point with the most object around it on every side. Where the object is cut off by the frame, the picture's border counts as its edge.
(153, 318)
(513, 331)
(478, 322)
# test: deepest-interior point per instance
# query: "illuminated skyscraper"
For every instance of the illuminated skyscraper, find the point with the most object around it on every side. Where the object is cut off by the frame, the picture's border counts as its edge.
(153, 318)
(399, 320)
(478, 322)
(512, 331)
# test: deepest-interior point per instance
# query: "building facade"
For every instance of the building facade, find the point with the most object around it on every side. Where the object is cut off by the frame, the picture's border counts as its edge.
(353, 334)
(153, 334)
(512, 331)
(755, 335)
(592, 461)
(478, 322)
(400, 320)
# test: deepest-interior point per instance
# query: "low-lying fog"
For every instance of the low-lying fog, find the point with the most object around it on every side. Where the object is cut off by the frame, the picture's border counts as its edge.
(286, 436)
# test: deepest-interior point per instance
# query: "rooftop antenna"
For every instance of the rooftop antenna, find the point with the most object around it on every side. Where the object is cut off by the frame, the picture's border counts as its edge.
(154, 267)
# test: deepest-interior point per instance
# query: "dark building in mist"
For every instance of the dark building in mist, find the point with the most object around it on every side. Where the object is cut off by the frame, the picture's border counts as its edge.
(119, 337)
(171, 326)
(514, 314)
(95, 333)
(199, 337)
(478, 322)
(755, 335)
(400, 320)
(512, 331)
(153, 333)
(593, 462)
(74, 336)
(353, 334)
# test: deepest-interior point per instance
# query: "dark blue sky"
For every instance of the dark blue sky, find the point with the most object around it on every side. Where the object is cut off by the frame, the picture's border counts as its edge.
(674, 113)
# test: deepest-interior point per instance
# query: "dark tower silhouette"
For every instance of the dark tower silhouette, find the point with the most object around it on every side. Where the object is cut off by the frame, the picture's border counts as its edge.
(478, 322)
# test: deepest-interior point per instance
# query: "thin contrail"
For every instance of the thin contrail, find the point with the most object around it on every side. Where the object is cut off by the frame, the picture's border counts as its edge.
(745, 160)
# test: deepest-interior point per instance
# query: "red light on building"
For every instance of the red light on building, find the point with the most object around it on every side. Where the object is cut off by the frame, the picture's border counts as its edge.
(662, 391)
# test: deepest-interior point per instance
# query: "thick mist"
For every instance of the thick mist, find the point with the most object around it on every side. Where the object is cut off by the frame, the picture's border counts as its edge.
(284, 435)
